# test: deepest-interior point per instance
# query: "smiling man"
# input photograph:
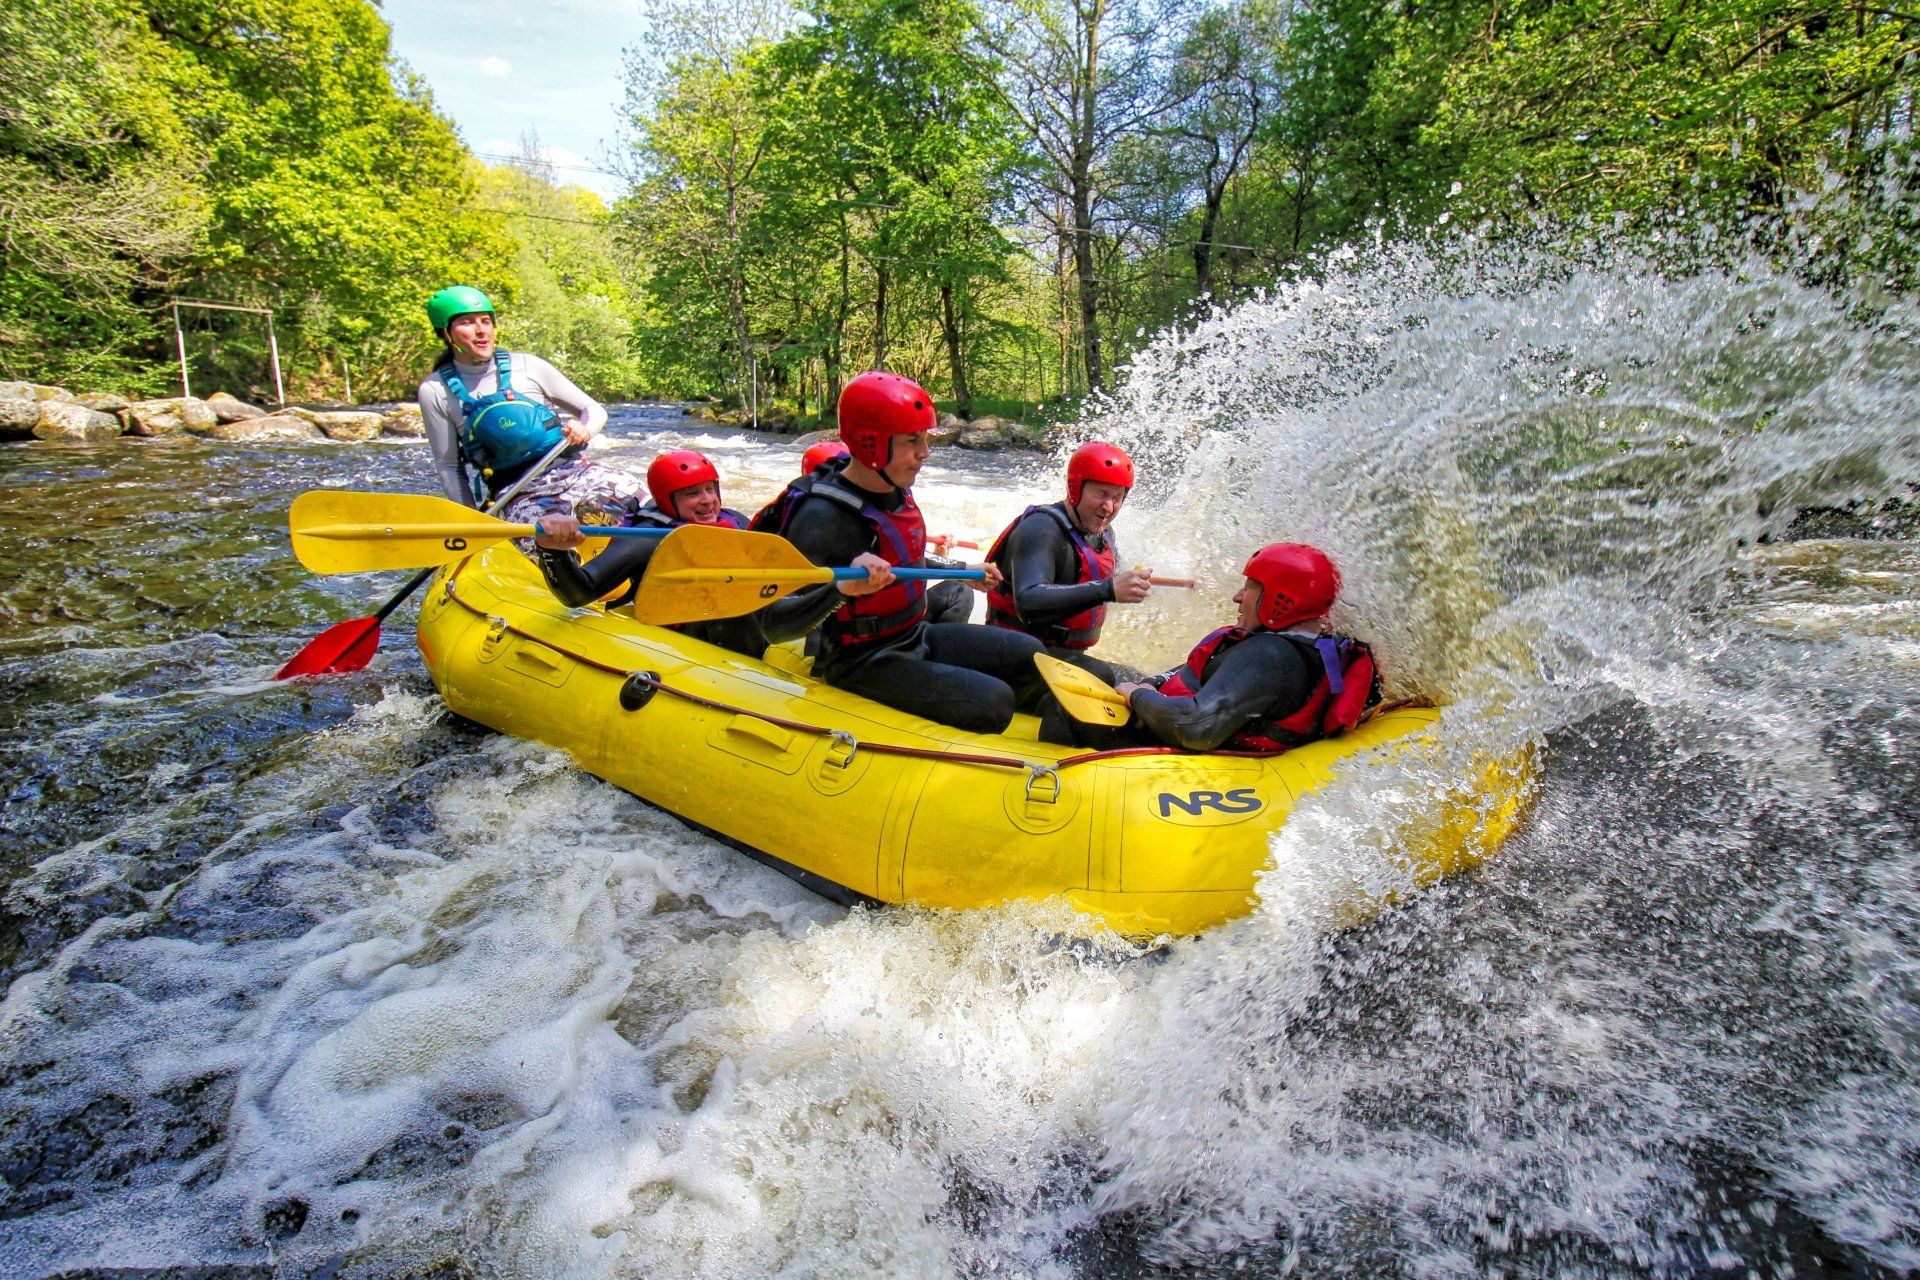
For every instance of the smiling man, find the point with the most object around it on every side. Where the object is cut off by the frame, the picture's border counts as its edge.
(859, 510)
(1057, 561)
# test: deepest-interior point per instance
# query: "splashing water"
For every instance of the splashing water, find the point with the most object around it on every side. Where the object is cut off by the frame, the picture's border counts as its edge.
(423, 995)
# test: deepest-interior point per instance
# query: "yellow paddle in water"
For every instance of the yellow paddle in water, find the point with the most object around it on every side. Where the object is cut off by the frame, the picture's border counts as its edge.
(1083, 695)
(338, 531)
(706, 571)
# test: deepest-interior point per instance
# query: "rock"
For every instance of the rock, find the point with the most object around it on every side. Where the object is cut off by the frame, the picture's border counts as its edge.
(101, 402)
(403, 420)
(1022, 436)
(232, 409)
(300, 412)
(16, 391)
(946, 429)
(273, 427)
(18, 415)
(776, 419)
(64, 420)
(171, 417)
(348, 424)
(707, 413)
(985, 438)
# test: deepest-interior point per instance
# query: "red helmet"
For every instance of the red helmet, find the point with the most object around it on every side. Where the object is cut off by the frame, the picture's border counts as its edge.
(875, 407)
(1097, 460)
(675, 470)
(819, 453)
(1297, 582)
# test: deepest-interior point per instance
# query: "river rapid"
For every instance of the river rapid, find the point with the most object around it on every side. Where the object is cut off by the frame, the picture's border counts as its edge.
(315, 978)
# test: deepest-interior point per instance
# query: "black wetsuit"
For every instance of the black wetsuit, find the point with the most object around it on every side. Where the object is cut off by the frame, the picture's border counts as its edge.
(1042, 568)
(967, 676)
(626, 560)
(1266, 676)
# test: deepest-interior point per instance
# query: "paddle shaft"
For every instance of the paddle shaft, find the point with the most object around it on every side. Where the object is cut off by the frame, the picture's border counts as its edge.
(419, 579)
(842, 573)
(370, 634)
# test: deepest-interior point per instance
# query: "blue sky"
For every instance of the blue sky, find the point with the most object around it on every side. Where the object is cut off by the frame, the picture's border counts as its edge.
(499, 69)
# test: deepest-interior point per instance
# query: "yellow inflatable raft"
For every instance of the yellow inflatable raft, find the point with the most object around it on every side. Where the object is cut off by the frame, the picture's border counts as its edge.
(863, 802)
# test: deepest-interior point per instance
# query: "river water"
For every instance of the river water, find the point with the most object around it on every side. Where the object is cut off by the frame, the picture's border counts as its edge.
(316, 979)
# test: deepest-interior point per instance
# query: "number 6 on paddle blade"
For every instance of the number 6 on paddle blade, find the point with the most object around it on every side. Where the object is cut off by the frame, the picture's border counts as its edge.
(1083, 695)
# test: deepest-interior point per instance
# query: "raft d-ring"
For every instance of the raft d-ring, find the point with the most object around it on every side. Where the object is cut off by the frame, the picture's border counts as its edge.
(638, 690)
(841, 738)
(1035, 772)
(496, 627)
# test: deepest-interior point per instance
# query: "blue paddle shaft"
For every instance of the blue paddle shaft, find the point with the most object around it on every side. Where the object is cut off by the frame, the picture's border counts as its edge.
(849, 573)
(611, 531)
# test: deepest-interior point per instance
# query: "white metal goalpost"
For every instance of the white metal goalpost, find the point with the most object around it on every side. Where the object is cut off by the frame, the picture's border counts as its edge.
(180, 339)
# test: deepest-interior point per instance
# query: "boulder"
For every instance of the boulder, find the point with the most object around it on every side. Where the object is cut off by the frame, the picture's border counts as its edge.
(272, 427)
(984, 437)
(102, 402)
(232, 409)
(64, 420)
(16, 391)
(946, 429)
(171, 417)
(348, 424)
(403, 420)
(18, 416)
(1022, 436)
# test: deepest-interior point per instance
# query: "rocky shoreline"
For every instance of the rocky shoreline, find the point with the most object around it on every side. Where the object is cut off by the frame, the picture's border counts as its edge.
(986, 434)
(35, 411)
(32, 411)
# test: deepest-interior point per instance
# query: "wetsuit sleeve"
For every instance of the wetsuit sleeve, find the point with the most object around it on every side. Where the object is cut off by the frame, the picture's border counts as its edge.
(581, 584)
(437, 414)
(562, 394)
(826, 534)
(1041, 565)
(1262, 675)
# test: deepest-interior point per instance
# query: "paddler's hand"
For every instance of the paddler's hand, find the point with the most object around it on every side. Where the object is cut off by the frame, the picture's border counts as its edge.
(879, 576)
(1130, 586)
(1130, 688)
(558, 533)
(993, 579)
(575, 431)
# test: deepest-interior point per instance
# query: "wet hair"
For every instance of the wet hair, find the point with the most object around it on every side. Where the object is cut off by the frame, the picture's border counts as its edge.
(445, 358)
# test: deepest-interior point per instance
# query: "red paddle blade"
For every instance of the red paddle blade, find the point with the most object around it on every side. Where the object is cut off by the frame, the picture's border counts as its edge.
(342, 647)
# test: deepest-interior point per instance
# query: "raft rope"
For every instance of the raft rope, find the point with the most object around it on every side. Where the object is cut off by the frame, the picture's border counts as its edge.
(651, 680)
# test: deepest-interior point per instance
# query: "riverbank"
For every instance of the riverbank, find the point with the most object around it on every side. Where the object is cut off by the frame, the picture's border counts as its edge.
(31, 410)
(38, 411)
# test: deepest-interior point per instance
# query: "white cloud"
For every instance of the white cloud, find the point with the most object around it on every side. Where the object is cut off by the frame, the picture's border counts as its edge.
(495, 66)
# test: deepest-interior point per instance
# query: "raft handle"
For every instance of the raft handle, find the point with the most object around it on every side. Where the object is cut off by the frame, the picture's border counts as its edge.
(841, 738)
(1034, 773)
(638, 690)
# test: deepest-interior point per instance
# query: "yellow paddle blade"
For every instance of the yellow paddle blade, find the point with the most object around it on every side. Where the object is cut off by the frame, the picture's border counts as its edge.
(705, 571)
(1083, 695)
(338, 531)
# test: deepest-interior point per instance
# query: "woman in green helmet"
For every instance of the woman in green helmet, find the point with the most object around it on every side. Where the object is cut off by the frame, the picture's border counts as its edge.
(492, 414)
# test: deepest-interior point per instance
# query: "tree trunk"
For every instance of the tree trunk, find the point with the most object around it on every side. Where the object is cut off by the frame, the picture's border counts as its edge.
(1082, 188)
(950, 320)
(880, 317)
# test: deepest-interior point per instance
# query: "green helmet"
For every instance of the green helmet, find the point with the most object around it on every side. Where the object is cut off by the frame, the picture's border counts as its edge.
(460, 300)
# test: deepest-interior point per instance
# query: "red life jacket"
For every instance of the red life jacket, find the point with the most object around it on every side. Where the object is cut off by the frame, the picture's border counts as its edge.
(1082, 630)
(900, 538)
(1349, 683)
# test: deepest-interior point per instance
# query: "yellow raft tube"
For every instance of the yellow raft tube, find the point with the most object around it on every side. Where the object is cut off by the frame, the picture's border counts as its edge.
(861, 802)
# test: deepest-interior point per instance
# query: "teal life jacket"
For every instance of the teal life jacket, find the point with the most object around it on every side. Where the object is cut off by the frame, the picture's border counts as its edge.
(501, 435)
